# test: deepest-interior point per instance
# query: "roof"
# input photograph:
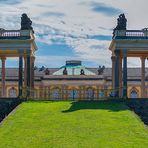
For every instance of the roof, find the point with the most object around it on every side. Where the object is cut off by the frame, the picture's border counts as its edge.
(133, 73)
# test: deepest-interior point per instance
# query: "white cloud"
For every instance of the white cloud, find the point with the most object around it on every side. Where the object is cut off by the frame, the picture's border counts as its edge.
(76, 22)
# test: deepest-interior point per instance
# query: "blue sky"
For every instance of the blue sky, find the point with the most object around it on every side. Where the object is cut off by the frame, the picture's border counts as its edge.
(73, 29)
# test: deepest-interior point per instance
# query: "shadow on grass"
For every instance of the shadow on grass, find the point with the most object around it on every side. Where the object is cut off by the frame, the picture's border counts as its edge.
(111, 105)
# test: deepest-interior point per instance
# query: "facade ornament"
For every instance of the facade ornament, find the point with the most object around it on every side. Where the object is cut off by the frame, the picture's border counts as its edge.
(65, 71)
(82, 72)
(101, 70)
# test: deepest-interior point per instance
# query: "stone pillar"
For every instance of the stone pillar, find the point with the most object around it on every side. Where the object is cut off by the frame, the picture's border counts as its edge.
(20, 82)
(28, 76)
(113, 58)
(125, 74)
(25, 71)
(32, 59)
(3, 59)
(116, 78)
(120, 77)
(143, 77)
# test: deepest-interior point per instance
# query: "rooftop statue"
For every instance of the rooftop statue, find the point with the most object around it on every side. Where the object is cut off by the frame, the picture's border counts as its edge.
(26, 23)
(101, 70)
(65, 71)
(82, 72)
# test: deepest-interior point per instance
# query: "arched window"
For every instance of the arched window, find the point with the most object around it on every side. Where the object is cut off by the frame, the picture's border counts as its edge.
(134, 93)
(90, 93)
(73, 94)
(101, 94)
(12, 92)
(55, 94)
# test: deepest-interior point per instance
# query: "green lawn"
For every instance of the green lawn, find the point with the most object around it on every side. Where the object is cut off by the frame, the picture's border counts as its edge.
(103, 124)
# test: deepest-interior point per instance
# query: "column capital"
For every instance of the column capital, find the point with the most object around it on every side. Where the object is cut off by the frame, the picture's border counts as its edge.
(117, 52)
(124, 53)
(113, 58)
(142, 58)
(32, 58)
(3, 58)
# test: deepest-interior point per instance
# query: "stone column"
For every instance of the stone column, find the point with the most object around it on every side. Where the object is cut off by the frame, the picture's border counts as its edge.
(143, 77)
(120, 77)
(32, 59)
(125, 74)
(25, 71)
(20, 82)
(113, 58)
(28, 76)
(116, 78)
(3, 59)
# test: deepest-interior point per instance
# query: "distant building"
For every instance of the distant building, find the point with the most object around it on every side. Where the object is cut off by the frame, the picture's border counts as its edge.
(91, 84)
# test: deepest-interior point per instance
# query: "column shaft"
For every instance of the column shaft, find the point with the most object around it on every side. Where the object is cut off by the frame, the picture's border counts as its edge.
(125, 75)
(117, 73)
(20, 75)
(3, 76)
(120, 77)
(143, 77)
(25, 71)
(113, 58)
(28, 76)
(32, 72)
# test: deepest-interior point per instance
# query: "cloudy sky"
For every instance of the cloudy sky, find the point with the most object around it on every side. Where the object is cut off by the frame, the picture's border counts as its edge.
(73, 29)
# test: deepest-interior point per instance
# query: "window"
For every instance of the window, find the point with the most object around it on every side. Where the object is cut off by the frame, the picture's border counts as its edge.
(90, 93)
(73, 94)
(134, 93)
(13, 92)
(56, 93)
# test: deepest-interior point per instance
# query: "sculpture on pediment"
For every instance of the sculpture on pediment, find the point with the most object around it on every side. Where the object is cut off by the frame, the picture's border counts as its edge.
(82, 72)
(65, 71)
(101, 70)
(26, 23)
(47, 71)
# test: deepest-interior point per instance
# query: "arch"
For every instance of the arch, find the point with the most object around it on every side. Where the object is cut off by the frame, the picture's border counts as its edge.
(12, 92)
(73, 93)
(134, 93)
(56, 93)
(90, 93)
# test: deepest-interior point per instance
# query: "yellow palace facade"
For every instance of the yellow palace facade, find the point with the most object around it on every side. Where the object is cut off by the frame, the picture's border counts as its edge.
(73, 81)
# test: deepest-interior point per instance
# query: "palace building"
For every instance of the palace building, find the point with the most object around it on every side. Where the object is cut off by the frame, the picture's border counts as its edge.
(74, 81)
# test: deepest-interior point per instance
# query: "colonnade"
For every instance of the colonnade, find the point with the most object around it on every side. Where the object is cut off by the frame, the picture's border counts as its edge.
(27, 77)
(119, 74)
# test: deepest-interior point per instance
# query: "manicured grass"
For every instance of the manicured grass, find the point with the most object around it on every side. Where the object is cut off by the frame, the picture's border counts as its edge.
(105, 124)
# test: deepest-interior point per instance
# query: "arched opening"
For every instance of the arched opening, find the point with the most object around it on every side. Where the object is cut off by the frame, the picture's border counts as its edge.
(90, 93)
(56, 94)
(12, 92)
(134, 93)
(73, 94)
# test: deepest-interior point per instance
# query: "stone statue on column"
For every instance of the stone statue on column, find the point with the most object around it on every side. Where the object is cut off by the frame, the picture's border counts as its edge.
(121, 23)
(26, 23)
